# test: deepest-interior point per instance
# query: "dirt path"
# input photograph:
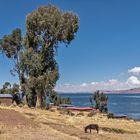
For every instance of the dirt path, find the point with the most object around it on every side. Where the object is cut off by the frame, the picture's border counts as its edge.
(16, 126)
(13, 118)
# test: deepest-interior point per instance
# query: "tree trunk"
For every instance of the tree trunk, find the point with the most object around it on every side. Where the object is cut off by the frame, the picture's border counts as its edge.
(25, 100)
(41, 99)
(38, 102)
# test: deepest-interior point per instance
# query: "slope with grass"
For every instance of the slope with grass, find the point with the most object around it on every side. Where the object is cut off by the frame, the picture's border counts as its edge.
(24, 123)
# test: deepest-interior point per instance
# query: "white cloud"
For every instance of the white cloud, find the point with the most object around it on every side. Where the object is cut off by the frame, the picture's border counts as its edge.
(113, 81)
(91, 87)
(135, 71)
(133, 81)
(112, 84)
(84, 84)
(94, 83)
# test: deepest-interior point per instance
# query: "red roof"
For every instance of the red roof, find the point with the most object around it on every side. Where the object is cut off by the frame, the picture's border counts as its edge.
(82, 108)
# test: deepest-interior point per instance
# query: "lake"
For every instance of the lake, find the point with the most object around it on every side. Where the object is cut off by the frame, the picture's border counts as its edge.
(119, 104)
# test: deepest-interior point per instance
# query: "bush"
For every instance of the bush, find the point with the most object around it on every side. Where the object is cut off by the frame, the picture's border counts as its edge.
(80, 114)
(100, 100)
(52, 109)
(110, 115)
(91, 114)
(57, 100)
(67, 112)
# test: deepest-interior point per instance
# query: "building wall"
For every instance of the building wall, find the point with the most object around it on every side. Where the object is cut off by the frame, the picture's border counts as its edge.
(6, 101)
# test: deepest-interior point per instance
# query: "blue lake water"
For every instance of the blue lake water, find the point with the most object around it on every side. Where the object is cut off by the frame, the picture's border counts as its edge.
(119, 104)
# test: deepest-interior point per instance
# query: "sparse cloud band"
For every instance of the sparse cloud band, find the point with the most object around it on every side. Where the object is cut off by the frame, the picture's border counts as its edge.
(112, 84)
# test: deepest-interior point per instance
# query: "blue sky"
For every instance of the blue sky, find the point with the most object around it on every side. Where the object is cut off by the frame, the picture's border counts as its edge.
(106, 46)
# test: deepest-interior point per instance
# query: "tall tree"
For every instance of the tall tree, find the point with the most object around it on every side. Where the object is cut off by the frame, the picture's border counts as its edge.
(11, 46)
(47, 28)
(34, 55)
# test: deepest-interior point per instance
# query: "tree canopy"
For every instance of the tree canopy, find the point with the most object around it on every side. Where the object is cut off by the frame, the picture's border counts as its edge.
(34, 54)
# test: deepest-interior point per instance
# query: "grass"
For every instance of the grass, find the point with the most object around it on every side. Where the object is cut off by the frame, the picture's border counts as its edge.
(116, 130)
(2, 129)
(55, 125)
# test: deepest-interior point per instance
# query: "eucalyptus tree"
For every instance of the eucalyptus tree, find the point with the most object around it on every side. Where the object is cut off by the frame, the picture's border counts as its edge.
(47, 27)
(34, 54)
(11, 47)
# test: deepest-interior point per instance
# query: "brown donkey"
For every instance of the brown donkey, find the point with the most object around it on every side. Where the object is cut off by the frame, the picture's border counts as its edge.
(92, 126)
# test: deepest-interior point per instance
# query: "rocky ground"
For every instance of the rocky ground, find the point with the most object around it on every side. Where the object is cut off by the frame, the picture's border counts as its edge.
(34, 124)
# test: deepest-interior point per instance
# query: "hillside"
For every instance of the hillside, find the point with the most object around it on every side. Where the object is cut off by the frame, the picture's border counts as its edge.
(133, 91)
(34, 124)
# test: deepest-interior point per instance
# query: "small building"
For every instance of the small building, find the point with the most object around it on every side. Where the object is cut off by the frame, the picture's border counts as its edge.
(6, 99)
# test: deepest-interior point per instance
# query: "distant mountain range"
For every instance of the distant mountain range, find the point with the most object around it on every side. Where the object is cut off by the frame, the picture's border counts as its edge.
(134, 90)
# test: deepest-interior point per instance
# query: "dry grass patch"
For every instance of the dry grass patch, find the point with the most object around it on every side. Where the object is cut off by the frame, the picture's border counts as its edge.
(116, 130)
(51, 125)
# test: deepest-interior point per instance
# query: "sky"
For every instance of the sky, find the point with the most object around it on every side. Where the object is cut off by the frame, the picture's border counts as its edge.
(105, 53)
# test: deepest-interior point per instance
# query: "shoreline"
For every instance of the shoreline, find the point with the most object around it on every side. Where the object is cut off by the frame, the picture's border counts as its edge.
(93, 93)
(119, 104)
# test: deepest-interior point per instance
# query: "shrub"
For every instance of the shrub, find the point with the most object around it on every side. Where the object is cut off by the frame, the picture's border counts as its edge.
(91, 114)
(110, 115)
(52, 109)
(67, 112)
(100, 100)
(80, 114)
(57, 100)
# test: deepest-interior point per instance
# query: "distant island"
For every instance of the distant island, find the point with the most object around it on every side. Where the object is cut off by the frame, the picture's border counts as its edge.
(130, 91)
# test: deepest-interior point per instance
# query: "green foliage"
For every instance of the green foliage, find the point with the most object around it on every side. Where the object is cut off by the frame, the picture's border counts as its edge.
(100, 100)
(7, 88)
(31, 99)
(6, 85)
(34, 54)
(15, 88)
(46, 28)
(11, 46)
(57, 100)
(110, 115)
